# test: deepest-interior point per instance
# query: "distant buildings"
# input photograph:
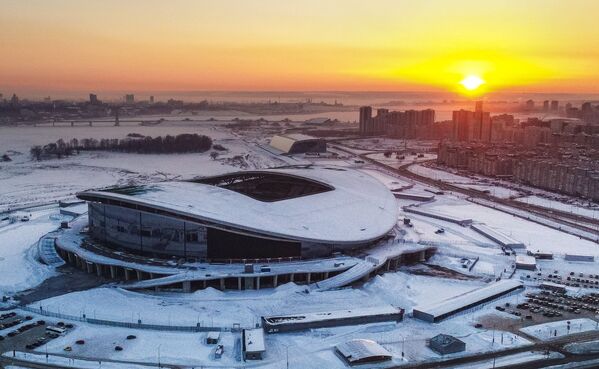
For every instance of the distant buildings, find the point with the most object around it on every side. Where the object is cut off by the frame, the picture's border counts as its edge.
(472, 125)
(129, 99)
(93, 99)
(405, 124)
(151, 99)
(530, 104)
(572, 169)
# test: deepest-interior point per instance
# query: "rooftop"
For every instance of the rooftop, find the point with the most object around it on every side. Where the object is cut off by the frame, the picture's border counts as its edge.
(313, 203)
(362, 351)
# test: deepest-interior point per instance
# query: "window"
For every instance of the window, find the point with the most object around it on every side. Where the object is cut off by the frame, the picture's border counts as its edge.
(192, 237)
(121, 229)
(146, 232)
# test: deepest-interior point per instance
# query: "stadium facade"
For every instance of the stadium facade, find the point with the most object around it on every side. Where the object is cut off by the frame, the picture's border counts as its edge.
(291, 212)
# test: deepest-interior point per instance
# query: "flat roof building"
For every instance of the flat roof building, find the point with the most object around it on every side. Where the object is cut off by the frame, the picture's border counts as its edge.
(297, 143)
(295, 322)
(526, 262)
(436, 312)
(498, 237)
(361, 351)
(253, 344)
(444, 344)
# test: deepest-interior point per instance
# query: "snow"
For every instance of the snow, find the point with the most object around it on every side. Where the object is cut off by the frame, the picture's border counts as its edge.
(536, 237)
(78, 363)
(18, 249)
(556, 329)
(347, 214)
(468, 298)
(254, 340)
(308, 317)
(24, 182)
(592, 213)
(521, 358)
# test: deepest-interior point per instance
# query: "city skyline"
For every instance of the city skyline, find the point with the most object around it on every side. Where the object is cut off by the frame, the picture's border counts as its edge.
(66, 46)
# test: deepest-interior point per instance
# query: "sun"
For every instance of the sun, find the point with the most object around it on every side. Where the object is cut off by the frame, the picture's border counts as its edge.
(472, 82)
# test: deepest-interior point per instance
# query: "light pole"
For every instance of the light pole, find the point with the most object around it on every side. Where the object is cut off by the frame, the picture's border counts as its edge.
(159, 356)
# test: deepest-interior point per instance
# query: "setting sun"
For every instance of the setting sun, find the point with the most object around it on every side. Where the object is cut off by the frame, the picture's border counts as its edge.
(471, 82)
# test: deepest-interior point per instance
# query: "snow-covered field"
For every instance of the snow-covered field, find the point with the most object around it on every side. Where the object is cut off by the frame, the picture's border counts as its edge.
(18, 265)
(535, 236)
(26, 182)
(561, 328)
(592, 213)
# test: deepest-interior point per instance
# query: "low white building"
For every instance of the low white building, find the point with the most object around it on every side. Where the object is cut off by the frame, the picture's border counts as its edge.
(253, 344)
(361, 351)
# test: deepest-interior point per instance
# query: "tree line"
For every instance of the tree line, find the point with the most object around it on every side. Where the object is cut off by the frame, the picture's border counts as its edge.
(183, 143)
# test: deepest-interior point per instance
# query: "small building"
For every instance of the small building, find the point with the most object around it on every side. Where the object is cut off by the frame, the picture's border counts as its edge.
(212, 337)
(498, 237)
(574, 257)
(543, 255)
(253, 344)
(332, 318)
(297, 143)
(361, 351)
(444, 344)
(436, 312)
(464, 222)
(553, 287)
(526, 262)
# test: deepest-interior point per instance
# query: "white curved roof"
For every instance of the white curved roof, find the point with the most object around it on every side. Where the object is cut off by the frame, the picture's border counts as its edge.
(359, 209)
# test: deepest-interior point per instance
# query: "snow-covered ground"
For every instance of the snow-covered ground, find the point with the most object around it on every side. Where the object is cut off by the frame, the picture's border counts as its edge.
(561, 328)
(26, 182)
(536, 237)
(18, 265)
(592, 213)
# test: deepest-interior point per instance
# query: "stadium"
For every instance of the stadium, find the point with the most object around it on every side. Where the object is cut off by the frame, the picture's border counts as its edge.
(291, 212)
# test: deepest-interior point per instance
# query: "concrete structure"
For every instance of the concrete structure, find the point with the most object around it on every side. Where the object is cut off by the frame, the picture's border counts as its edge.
(295, 322)
(253, 344)
(498, 237)
(413, 196)
(361, 351)
(573, 257)
(553, 287)
(464, 222)
(434, 313)
(296, 143)
(444, 344)
(297, 212)
(526, 262)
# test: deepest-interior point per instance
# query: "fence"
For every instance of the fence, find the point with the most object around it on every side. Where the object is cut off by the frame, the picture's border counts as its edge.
(139, 325)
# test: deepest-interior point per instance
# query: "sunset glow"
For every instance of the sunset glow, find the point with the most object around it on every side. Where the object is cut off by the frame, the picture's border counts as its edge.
(332, 45)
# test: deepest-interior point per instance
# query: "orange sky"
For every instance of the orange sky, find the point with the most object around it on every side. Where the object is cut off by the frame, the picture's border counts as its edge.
(151, 45)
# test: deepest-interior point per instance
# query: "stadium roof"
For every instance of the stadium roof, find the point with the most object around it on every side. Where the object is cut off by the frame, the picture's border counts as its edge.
(344, 206)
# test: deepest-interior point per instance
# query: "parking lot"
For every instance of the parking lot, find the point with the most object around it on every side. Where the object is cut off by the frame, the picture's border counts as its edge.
(24, 333)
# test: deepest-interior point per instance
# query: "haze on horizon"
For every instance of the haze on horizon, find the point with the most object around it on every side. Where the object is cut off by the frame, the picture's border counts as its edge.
(61, 46)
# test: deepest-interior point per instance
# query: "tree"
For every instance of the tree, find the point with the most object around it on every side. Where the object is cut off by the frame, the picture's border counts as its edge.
(36, 152)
